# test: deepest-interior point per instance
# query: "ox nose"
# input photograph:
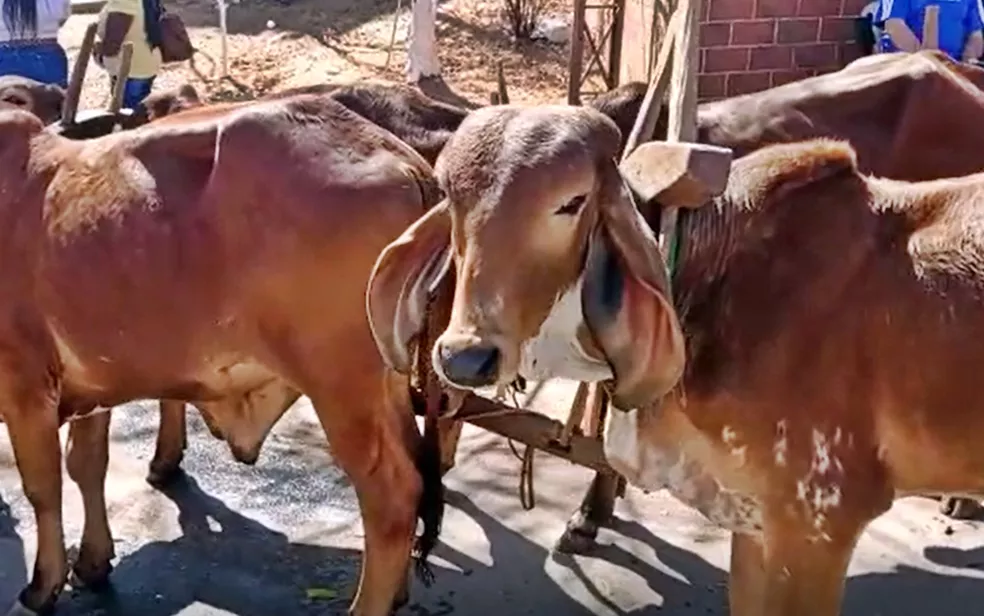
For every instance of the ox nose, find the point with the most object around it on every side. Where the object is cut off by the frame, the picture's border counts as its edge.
(471, 366)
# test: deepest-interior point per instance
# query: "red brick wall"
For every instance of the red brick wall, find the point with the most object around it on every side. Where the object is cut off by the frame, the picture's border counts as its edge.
(751, 45)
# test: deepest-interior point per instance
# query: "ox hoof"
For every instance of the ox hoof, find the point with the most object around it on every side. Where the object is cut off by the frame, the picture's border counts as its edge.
(94, 577)
(20, 607)
(960, 508)
(579, 537)
(160, 475)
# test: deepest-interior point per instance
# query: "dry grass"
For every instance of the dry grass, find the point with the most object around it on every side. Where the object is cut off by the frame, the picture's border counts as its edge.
(313, 41)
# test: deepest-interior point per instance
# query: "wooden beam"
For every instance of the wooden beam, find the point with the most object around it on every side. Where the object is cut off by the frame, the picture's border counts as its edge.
(682, 125)
(576, 63)
(534, 429)
(645, 122)
(74, 91)
(122, 74)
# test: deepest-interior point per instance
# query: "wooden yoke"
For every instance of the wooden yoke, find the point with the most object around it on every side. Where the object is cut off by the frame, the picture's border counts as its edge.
(676, 69)
(74, 91)
(931, 27)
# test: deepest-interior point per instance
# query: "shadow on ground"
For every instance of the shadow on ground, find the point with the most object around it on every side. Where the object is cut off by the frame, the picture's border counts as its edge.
(13, 573)
(224, 560)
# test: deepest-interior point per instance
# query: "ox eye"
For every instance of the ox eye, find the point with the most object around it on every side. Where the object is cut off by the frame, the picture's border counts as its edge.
(573, 206)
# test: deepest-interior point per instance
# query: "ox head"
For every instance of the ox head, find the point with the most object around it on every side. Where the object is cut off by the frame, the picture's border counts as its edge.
(557, 274)
(42, 99)
(168, 102)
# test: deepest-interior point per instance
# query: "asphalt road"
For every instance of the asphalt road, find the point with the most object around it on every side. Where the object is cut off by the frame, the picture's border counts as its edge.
(253, 541)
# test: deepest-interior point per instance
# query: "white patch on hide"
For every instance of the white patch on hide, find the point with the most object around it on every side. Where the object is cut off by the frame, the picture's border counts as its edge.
(781, 446)
(555, 351)
(653, 468)
(820, 490)
(730, 438)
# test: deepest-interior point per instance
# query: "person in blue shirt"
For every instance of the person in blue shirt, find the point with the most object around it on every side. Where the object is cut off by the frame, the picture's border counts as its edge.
(960, 25)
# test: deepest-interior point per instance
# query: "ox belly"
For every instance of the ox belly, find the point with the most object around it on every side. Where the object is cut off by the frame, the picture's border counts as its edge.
(651, 466)
(239, 398)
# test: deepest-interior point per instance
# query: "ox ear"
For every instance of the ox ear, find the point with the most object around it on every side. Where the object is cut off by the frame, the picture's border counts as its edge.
(626, 303)
(677, 174)
(406, 273)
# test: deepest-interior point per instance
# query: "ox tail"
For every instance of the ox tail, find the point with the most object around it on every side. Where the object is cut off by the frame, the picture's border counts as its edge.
(430, 507)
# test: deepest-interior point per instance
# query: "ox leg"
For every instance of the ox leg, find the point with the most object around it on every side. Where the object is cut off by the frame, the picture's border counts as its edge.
(450, 431)
(32, 422)
(87, 460)
(792, 572)
(172, 440)
(372, 449)
(598, 505)
(596, 510)
(746, 587)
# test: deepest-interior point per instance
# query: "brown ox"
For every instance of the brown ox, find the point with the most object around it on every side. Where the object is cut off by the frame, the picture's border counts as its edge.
(423, 123)
(42, 99)
(782, 389)
(229, 248)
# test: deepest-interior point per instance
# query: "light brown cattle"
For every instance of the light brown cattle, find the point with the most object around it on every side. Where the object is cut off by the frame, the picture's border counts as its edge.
(44, 100)
(229, 248)
(816, 355)
(423, 123)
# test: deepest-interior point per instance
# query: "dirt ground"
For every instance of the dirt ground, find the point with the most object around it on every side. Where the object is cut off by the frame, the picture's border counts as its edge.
(272, 46)
(284, 537)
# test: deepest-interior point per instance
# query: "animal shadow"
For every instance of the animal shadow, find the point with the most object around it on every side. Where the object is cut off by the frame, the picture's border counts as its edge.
(223, 560)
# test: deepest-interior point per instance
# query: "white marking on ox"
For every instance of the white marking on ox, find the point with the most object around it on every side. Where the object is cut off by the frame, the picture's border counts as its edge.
(555, 351)
(730, 438)
(820, 490)
(781, 446)
(651, 468)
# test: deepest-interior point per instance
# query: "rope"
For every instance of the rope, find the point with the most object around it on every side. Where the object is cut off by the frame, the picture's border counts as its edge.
(527, 493)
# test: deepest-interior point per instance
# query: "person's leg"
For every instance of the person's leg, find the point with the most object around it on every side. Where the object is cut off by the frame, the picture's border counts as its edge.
(135, 90)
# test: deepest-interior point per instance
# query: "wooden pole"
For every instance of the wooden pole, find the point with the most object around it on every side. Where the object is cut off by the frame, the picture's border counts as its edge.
(645, 123)
(576, 63)
(682, 125)
(122, 74)
(931, 27)
(74, 91)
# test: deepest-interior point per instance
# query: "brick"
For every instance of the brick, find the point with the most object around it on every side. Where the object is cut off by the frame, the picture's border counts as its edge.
(798, 30)
(819, 8)
(728, 10)
(724, 60)
(821, 55)
(783, 77)
(746, 83)
(711, 86)
(771, 57)
(705, 11)
(852, 8)
(753, 32)
(837, 29)
(715, 34)
(776, 8)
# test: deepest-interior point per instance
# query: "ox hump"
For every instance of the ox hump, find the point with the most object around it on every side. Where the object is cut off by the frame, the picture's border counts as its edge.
(777, 170)
(17, 127)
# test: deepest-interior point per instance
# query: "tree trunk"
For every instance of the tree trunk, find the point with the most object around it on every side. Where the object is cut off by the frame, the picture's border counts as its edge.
(422, 60)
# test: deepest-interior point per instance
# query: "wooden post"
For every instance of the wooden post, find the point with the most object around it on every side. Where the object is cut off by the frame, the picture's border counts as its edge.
(645, 123)
(74, 91)
(931, 27)
(576, 64)
(122, 74)
(682, 125)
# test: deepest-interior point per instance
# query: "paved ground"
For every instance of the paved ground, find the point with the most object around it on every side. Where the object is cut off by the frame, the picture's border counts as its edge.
(253, 541)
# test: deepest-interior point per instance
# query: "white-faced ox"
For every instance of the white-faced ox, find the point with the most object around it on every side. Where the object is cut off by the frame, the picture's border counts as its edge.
(782, 389)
